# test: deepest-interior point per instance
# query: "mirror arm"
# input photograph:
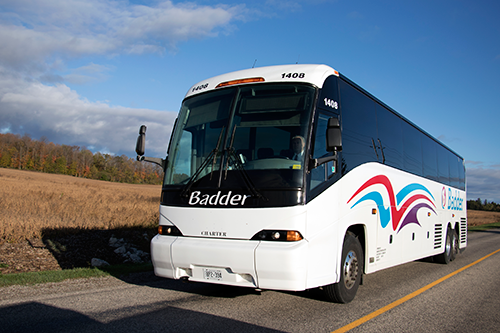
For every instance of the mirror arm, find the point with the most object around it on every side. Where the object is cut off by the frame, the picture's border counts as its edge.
(316, 162)
(156, 160)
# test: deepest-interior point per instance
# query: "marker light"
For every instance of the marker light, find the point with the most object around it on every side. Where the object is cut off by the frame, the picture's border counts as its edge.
(240, 81)
(278, 235)
(293, 236)
(169, 230)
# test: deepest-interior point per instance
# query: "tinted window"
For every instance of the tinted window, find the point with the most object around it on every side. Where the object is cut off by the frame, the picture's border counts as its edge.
(443, 169)
(430, 158)
(324, 171)
(359, 131)
(248, 128)
(328, 98)
(461, 174)
(412, 149)
(454, 165)
(199, 127)
(390, 136)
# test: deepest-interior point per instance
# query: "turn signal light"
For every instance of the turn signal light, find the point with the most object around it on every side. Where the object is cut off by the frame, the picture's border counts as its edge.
(169, 230)
(293, 236)
(240, 81)
(278, 235)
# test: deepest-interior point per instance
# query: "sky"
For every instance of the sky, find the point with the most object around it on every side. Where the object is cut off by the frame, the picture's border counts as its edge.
(90, 72)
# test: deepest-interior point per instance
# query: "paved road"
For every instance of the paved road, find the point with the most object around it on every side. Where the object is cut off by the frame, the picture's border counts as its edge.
(466, 302)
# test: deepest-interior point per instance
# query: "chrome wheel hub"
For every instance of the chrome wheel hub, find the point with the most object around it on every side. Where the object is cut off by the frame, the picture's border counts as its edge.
(350, 269)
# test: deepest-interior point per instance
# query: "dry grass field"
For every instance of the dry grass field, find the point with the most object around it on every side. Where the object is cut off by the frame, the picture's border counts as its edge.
(31, 202)
(477, 217)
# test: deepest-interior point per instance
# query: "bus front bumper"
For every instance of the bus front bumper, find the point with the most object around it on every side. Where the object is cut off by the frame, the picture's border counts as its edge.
(245, 263)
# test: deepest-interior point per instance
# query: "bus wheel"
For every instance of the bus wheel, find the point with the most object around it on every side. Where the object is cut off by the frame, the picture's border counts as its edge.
(351, 272)
(455, 246)
(450, 248)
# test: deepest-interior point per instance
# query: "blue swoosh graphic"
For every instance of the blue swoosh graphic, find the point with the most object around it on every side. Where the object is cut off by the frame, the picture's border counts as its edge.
(410, 188)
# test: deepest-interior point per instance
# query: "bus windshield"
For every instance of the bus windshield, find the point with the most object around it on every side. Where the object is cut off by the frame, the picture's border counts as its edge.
(242, 136)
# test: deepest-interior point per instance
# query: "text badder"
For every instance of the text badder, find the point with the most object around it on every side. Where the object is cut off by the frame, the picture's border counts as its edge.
(217, 199)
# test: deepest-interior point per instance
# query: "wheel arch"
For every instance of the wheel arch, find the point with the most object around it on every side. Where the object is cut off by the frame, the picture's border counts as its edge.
(359, 231)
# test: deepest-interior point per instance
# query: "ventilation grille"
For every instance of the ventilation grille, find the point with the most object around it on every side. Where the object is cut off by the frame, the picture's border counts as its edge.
(463, 230)
(438, 236)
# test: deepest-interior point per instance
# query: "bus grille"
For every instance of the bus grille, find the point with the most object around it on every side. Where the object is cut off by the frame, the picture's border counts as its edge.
(438, 235)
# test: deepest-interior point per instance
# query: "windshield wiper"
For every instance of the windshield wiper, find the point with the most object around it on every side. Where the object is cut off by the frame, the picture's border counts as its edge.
(229, 149)
(239, 166)
(231, 155)
(211, 157)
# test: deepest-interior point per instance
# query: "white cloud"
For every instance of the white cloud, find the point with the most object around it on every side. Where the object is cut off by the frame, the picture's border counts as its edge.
(63, 116)
(86, 74)
(32, 31)
(483, 183)
(37, 37)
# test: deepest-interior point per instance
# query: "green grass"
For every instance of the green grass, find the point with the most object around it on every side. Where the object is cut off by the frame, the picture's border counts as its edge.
(484, 227)
(31, 278)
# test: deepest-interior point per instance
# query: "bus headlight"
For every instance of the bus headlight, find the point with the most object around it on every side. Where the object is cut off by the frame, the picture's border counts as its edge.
(278, 235)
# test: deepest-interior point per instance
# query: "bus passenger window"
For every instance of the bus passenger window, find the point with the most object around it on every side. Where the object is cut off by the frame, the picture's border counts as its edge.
(359, 127)
(412, 149)
(390, 137)
(429, 158)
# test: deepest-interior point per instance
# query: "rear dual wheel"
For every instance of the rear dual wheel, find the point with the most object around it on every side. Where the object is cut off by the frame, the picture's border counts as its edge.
(351, 272)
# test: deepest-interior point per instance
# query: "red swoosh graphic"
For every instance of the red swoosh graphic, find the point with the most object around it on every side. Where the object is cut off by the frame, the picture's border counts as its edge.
(396, 214)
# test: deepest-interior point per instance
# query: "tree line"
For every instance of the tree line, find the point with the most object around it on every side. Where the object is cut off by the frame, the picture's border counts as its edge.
(24, 153)
(483, 205)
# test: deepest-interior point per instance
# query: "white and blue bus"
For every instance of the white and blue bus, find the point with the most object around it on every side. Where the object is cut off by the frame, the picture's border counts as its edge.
(293, 177)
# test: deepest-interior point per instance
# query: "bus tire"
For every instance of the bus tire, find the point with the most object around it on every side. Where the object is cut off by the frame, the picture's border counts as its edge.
(450, 248)
(455, 245)
(351, 272)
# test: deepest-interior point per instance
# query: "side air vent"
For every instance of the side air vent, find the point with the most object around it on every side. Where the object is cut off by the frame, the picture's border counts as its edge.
(438, 236)
(463, 230)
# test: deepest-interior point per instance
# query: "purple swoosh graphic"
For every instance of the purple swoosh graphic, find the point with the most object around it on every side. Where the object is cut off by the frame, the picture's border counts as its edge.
(412, 215)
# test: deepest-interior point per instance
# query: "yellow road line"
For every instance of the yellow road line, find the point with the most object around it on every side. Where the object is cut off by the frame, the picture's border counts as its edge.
(407, 297)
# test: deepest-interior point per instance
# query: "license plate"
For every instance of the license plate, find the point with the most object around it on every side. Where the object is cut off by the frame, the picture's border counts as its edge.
(212, 274)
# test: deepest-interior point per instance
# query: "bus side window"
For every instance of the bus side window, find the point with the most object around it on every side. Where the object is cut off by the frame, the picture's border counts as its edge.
(429, 157)
(390, 137)
(359, 127)
(324, 171)
(412, 149)
(443, 165)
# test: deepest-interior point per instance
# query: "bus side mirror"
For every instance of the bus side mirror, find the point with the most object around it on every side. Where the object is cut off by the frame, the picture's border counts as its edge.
(333, 135)
(140, 146)
(333, 143)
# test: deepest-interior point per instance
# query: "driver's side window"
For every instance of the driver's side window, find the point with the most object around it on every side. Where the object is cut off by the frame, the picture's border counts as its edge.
(326, 170)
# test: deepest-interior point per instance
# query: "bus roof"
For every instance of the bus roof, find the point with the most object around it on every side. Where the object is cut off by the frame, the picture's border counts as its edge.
(313, 74)
(308, 73)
